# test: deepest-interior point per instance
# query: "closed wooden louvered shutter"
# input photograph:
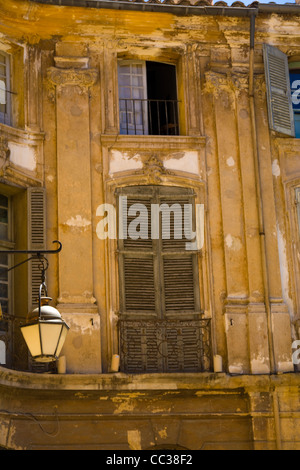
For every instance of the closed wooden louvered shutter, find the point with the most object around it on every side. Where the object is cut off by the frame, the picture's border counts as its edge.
(36, 201)
(160, 325)
(280, 111)
(179, 271)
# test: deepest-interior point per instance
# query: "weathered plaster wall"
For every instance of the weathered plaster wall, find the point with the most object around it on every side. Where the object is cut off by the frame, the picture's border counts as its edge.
(65, 136)
(123, 412)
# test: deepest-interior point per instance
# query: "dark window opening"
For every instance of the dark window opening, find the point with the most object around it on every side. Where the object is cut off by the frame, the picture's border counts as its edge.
(148, 98)
(295, 91)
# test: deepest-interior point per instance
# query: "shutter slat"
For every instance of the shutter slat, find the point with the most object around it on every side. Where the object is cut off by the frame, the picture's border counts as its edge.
(139, 284)
(140, 243)
(176, 229)
(280, 111)
(179, 283)
(165, 346)
(36, 238)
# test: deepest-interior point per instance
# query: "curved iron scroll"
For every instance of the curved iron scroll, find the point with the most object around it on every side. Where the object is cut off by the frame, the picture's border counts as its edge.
(35, 252)
(39, 254)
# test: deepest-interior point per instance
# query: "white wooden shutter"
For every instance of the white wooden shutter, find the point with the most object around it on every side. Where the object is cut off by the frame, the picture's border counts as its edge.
(4, 88)
(280, 110)
(36, 205)
(132, 96)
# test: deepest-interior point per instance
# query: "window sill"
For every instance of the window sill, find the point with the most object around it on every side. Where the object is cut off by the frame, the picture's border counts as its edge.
(20, 135)
(145, 141)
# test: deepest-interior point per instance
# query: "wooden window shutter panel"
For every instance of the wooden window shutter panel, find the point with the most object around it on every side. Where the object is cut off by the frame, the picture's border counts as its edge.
(280, 110)
(36, 202)
(139, 284)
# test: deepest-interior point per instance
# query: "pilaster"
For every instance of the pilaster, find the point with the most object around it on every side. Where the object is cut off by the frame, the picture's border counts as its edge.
(69, 84)
(231, 193)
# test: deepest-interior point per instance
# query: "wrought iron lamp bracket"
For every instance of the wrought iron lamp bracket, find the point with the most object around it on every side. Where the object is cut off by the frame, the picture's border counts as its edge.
(36, 254)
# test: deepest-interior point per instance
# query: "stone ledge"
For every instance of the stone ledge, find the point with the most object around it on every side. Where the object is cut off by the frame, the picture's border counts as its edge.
(209, 382)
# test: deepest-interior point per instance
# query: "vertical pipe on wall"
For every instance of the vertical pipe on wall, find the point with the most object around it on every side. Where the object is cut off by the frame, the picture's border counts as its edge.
(259, 194)
(276, 410)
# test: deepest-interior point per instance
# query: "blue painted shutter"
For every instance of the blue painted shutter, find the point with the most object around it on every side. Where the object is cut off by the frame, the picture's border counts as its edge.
(280, 110)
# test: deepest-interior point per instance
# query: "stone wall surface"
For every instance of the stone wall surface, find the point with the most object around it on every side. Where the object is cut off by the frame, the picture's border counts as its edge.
(64, 136)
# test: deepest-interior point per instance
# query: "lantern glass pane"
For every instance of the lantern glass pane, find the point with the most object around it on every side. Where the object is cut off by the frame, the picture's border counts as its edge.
(50, 333)
(31, 335)
(62, 339)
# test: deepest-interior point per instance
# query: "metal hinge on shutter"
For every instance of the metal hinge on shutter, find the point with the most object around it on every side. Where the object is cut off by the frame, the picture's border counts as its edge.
(280, 110)
(36, 202)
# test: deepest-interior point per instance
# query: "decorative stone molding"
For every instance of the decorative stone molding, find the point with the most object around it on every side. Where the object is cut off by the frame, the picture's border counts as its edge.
(240, 81)
(154, 169)
(4, 149)
(58, 78)
(217, 82)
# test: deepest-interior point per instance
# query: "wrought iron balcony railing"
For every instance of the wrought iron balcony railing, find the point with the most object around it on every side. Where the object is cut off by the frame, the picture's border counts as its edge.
(149, 117)
(165, 346)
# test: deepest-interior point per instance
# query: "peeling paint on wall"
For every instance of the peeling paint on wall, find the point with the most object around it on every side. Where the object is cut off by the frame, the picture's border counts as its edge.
(284, 270)
(230, 161)
(78, 222)
(185, 161)
(134, 439)
(22, 155)
(233, 243)
(124, 162)
(276, 168)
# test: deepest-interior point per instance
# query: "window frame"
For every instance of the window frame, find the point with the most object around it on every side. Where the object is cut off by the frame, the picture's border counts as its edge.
(5, 118)
(146, 120)
(293, 67)
(7, 244)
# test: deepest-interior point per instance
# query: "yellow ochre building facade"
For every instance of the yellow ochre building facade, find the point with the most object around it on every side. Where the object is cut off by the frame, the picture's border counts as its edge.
(108, 110)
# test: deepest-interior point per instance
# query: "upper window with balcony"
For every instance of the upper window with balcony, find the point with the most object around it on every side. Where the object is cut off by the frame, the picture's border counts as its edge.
(148, 103)
(4, 88)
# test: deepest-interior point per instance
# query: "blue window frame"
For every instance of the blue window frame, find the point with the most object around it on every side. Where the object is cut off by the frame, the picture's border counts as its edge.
(295, 90)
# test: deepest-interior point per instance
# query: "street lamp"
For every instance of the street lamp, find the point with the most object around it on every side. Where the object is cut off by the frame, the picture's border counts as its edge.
(46, 331)
(46, 334)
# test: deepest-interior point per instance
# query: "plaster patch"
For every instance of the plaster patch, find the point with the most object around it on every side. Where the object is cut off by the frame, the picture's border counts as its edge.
(286, 366)
(134, 439)
(50, 178)
(233, 243)
(275, 168)
(122, 161)
(236, 369)
(163, 433)
(183, 161)
(230, 161)
(22, 155)
(78, 221)
(259, 365)
(284, 270)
